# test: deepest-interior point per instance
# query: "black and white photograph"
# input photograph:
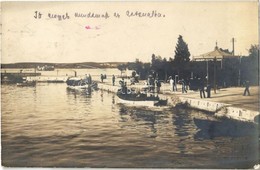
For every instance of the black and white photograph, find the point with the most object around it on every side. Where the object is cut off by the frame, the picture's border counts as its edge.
(130, 84)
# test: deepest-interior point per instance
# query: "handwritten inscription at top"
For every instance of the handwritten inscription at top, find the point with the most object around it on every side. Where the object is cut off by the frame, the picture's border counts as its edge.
(60, 17)
(94, 15)
(152, 14)
(91, 15)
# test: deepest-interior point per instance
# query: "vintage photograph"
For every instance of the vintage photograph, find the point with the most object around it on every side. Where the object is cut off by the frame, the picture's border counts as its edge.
(130, 84)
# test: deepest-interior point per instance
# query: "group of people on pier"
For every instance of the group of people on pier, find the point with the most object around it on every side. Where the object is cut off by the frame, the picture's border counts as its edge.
(154, 85)
(173, 85)
(200, 83)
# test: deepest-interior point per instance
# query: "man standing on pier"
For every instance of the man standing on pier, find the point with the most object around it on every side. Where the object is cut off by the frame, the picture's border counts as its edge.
(202, 92)
(183, 86)
(208, 90)
(246, 89)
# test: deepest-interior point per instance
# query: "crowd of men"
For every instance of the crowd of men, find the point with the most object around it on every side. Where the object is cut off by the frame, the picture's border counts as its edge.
(154, 85)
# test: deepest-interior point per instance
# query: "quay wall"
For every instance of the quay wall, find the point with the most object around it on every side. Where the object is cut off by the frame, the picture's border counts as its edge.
(219, 109)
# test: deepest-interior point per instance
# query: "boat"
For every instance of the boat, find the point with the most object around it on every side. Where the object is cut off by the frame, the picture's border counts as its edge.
(25, 83)
(130, 97)
(78, 83)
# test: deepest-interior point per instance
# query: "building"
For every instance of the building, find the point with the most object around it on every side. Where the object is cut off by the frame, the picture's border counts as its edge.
(217, 54)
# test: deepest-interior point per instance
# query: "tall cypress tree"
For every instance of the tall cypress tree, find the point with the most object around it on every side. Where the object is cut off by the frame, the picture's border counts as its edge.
(182, 53)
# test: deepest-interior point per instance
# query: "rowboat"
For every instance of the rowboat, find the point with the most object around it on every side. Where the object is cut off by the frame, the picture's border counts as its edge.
(26, 83)
(139, 99)
(77, 83)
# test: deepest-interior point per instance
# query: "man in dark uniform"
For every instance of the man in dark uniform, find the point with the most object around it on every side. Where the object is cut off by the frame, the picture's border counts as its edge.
(246, 89)
(183, 86)
(158, 85)
(102, 78)
(208, 90)
(113, 79)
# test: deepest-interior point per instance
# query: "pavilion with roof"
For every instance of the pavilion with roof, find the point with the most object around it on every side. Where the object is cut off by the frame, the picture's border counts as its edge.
(216, 55)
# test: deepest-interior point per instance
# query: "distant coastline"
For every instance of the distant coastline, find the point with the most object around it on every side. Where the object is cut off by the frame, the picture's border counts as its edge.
(82, 65)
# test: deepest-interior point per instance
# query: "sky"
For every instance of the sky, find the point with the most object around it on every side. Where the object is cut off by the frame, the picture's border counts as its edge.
(30, 38)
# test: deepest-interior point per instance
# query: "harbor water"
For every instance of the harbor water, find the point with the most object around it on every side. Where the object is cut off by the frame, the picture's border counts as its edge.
(52, 126)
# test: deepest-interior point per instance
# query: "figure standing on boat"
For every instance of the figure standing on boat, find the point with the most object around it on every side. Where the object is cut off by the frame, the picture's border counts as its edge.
(89, 79)
(151, 83)
(158, 85)
(113, 79)
(102, 78)
(171, 83)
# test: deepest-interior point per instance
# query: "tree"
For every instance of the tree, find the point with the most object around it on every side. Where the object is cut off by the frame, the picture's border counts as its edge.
(254, 52)
(254, 64)
(142, 69)
(182, 54)
(121, 67)
(153, 59)
(156, 62)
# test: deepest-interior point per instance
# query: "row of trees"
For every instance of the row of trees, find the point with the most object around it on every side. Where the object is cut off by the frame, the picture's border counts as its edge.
(228, 72)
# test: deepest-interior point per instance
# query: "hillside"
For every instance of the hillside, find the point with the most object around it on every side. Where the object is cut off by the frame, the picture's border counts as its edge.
(64, 65)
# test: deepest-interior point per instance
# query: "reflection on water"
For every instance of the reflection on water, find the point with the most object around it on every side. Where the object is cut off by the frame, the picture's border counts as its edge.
(50, 125)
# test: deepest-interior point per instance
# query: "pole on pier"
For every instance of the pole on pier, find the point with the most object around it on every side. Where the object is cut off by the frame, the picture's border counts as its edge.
(233, 46)
(215, 77)
(207, 72)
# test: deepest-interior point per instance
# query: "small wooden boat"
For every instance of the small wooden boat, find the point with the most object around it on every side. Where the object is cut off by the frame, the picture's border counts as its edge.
(139, 99)
(77, 83)
(26, 83)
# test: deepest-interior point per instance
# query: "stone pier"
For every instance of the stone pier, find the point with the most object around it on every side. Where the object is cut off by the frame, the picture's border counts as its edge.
(228, 102)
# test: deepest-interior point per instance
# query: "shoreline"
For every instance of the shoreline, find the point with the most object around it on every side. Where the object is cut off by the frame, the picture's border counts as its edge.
(220, 109)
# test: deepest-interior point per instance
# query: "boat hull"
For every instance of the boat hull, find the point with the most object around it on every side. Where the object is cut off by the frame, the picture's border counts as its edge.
(26, 84)
(77, 83)
(87, 86)
(140, 99)
(138, 103)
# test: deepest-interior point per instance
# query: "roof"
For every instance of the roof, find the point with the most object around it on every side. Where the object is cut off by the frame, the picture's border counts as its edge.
(219, 54)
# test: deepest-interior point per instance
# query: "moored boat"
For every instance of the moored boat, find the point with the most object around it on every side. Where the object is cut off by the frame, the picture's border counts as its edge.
(77, 83)
(26, 83)
(139, 99)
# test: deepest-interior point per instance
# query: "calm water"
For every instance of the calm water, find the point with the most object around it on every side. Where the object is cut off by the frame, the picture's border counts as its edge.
(48, 125)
